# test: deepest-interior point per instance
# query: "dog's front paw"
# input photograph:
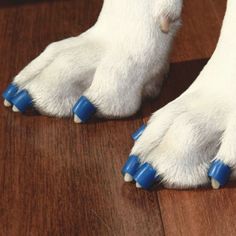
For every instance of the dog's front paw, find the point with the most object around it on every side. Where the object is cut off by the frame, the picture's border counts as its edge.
(191, 141)
(105, 71)
(185, 144)
(53, 82)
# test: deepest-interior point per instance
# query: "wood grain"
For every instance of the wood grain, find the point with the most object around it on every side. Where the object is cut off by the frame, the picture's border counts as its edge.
(58, 178)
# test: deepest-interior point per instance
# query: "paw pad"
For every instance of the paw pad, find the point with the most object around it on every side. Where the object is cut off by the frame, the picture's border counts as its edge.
(219, 172)
(139, 132)
(9, 93)
(83, 110)
(146, 176)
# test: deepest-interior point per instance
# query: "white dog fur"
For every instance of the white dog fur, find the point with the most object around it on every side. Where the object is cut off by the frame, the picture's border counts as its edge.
(125, 57)
(186, 135)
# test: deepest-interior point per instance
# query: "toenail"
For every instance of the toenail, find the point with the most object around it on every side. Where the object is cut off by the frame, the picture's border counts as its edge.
(22, 100)
(84, 109)
(10, 92)
(145, 176)
(219, 172)
(139, 132)
(131, 166)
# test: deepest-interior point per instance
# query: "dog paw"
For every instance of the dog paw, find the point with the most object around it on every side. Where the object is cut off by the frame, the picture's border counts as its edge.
(185, 144)
(191, 141)
(105, 71)
(53, 82)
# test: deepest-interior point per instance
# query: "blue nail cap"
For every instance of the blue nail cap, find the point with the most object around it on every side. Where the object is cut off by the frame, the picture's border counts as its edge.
(219, 171)
(22, 100)
(131, 166)
(139, 132)
(146, 176)
(10, 92)
(84, 109)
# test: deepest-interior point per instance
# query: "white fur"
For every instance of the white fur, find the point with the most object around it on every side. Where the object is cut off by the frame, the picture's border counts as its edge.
(185, 136)
(118, 61)
(124, 57)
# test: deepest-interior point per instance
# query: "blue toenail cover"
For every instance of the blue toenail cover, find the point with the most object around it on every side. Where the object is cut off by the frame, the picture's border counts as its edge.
(219, 171)
(22, 100)
(84, 109)
(145, 176)
(139, 132)
(10, 92)
(131, 165)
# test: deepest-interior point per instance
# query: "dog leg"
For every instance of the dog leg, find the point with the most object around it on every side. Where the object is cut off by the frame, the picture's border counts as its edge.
(181, 140)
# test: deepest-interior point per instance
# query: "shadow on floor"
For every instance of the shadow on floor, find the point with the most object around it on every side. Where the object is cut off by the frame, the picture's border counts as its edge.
(181, 76)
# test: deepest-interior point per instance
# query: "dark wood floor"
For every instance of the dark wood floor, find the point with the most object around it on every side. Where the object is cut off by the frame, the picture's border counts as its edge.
(58, 178)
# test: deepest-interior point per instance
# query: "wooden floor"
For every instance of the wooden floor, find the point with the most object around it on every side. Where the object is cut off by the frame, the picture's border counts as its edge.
(58, 178)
